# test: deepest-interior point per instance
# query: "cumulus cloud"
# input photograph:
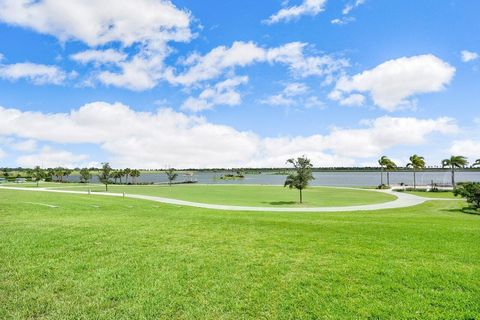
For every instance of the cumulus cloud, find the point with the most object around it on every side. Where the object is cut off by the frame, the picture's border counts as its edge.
(391, 83)
(98, 23)
(222, 59)
(49, 158)
(146, 25)
(307, 7)
(222, 93)
(468, 56)
(153, 139)
(468, 148)
(39, 74)
(99, 56)
(28, 145)
(293, 94)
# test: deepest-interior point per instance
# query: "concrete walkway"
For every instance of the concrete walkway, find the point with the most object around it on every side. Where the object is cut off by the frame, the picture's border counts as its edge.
(403, 200)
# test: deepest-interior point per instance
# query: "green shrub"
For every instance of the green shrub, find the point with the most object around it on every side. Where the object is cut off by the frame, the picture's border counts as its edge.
(469, 191)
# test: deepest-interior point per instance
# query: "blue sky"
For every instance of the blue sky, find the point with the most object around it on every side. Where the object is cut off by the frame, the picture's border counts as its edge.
(155, 83)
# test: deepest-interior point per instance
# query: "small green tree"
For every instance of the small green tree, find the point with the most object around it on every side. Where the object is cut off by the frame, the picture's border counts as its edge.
(469, 191)
(105, 174)
(85, 175)
(171, 175)
(454, 162)
(37, 174)
(302, 175)
(416, 163)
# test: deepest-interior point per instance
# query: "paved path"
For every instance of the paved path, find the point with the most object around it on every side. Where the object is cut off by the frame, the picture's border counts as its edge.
(403, 200)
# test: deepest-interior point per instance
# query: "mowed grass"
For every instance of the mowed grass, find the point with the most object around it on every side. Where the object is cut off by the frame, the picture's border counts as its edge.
(260, 196)
(440, 195)
(114, 258)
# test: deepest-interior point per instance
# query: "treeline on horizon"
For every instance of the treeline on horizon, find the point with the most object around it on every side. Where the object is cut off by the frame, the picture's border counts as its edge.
(248, 170)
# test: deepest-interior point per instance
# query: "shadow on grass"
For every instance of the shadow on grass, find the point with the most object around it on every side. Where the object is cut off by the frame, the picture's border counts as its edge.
(467, 210)
(281, 203)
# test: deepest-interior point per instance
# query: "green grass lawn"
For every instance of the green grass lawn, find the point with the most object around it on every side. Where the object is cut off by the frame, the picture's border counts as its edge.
(110, 258)
(260, 196)
(441, 195)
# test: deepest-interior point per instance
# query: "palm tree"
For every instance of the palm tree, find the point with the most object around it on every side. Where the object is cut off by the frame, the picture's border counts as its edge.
(302, 175)
(476, 163)
(383, 161)
(454, 162)
(117, 174)
(390, 166)
(416, 163)
(135, 173)
(127, 172)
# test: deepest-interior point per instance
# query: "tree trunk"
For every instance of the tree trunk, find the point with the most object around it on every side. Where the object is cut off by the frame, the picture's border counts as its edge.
(37, 183)
(381, 175)
(106, 186)
(414, 180)
(388, 178)
(301, 199)
(453, 176)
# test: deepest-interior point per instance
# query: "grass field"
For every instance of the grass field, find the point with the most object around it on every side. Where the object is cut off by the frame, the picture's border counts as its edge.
(108, 258)
(261, 196)
(440, 195)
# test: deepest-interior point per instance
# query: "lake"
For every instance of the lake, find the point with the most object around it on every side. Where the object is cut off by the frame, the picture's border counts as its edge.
(350, 178)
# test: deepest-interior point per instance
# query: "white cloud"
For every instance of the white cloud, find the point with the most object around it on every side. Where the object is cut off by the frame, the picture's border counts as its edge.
(353, 100)
(98, 23)
(49, 158)
(342, 21)
(152, 140)
(293, 94)
(307, 7)
(36, 73)
(313, 102)
(467, 148)
(28, 145)
(146, 25)
(240, 54)
(349, 7)
(468, 56)
(99, 56)
(295, 89)
(391, 83)
(222, 93)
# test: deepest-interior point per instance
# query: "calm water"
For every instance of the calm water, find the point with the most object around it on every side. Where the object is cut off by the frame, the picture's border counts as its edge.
(321, 178)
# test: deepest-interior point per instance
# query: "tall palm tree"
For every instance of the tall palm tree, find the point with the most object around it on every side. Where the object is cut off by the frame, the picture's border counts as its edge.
(454, 162)
(390, 166)
(383, 161)
(135, 173)
(476, 163)
(127, 172)
(416, 163)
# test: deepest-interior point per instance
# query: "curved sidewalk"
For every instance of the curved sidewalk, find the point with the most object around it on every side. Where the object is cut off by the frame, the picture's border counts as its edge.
(403, 200)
